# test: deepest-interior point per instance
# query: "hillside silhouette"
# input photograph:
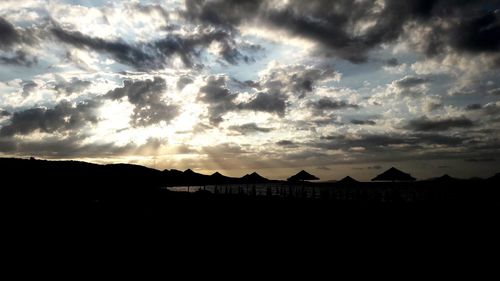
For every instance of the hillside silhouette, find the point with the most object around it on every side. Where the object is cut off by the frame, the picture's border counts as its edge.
(74, 188)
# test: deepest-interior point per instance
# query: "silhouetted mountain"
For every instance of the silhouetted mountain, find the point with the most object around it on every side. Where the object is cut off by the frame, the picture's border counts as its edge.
(394, 174)
(254, 178)
(495, 178)
(444, 179)
(302, 176)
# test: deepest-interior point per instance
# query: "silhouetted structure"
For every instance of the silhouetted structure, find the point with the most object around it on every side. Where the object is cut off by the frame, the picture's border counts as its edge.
(254, 178)
(218, 178)
(394, 174)
(302, 176)
(348, 181)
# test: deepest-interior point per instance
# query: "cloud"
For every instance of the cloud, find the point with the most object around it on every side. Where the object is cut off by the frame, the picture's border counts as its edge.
(19, 58)
(424, 124)
(376, 141)
(327, 104)
(183, 81)
(480, 160)
(408, 86)
(147, 97)
(4, 113)
(286, 143)
(351, 29)
(8, 34)
(363, 122)
(295, 80)
(265, 102)
(249, 128)
(73, 86)
(392, 62)
(219, 98)
(494, 92)
(157, 54)
(29, 87)
(411, 81)
(474, 106)
(63, 117)
(121, 51)
(75, 147)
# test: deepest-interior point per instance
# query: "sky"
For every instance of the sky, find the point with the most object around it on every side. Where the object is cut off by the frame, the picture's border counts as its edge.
(347, 87)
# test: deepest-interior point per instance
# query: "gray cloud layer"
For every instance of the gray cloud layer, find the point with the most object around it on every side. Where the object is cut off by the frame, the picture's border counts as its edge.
(147, 97)
(64, 116)
(472, 25)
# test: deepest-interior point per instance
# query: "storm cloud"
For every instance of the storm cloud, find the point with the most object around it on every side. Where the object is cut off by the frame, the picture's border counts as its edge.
(150, 107)
(472, 25)
(424, 124)
(249, 128)
(63, 117)
(8, 34)
(327, 104)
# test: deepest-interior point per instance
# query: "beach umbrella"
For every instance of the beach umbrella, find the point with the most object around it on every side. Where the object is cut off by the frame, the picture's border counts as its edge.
(348, 181)
(394, 174)
(254, 178)
(302, 176)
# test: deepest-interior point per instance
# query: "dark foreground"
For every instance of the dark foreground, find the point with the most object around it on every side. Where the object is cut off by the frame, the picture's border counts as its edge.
(78, 191)
(85, 212)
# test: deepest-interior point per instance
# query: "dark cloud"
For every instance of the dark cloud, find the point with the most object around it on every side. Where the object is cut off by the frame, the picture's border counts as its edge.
(183, 82)
(8, 34)
(249, 128)
(479, 33)
(480, 160)
(471, 26)
(121, 51)
(151, 9)
(411, 81)
(286, 143)
(297, 80)
(157, 54)
(265, 102)
(326, 104)
(224, 150)
(432, 106)
(4, 113)
(491, 109)
(63, 117)
(19, 58)
(73, 86)
(219, 98)
(147, 98)
(425, 124)
(363, 122)
(323, 168)
(475, 106)
(374, 167)
(392, 62)
(74, 147)
(379, 141)
(494, 92)
(29, 87)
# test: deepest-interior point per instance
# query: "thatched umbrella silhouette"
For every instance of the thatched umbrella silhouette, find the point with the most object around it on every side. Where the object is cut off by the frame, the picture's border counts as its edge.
(302, 176)
(254, 178)
(394, 174)
(347, 181)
